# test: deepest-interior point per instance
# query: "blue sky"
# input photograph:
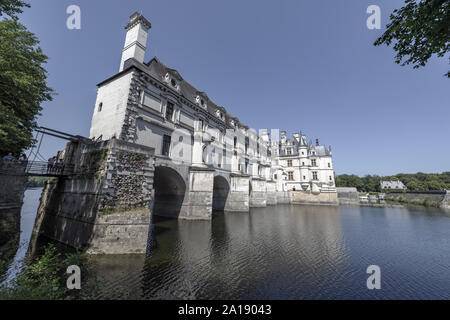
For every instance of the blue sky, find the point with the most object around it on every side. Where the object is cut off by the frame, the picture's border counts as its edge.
(293, 65)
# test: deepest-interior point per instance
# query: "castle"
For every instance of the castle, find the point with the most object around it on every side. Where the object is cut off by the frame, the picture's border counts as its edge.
(152, 105)
(156, 142)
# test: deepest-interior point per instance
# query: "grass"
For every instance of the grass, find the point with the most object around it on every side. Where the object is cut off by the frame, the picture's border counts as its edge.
(45, 278)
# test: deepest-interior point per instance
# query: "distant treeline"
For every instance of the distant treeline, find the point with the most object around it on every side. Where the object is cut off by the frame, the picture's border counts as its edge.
(36, 182)
(414, 182)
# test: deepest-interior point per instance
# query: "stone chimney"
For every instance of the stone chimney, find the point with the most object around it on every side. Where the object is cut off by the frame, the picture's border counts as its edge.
(136, 39)
(264, 134)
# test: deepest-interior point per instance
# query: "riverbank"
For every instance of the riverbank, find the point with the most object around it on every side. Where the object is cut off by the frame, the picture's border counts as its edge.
(435, 199)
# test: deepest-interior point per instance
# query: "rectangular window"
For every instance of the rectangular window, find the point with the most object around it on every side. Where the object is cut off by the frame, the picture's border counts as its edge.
(289, 151)
(166, 145)
(291, 176)
(313, 162)
(289, 163)
(304, 177)
(303, 163)
(246, 145)
(331, 179)
(169, 111)
(329, 165)
(314, 175)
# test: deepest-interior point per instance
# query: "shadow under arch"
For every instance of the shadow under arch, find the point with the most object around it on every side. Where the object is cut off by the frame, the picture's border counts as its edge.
(221, 190)
(170, 190)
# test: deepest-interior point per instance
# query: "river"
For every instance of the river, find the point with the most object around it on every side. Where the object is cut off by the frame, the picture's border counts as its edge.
(285, 252)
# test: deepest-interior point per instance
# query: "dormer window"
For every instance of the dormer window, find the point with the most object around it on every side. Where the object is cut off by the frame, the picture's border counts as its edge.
(173, 82)
(219, 114)
(200, 101)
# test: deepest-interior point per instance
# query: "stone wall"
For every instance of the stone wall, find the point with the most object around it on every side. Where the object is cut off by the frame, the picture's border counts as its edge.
(445, 204)
(258, 193)
(271, 196)
(120, 233)
(111, 178)
(283, 197)
(427, 199)
(12, 186)
(201, 183)
(347, 195)
(306, 197)
(238, 198)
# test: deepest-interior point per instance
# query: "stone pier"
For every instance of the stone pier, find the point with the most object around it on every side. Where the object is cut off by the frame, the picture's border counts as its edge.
(201, 183)
(271, 193)
(238, 198)
(258, 193)
(104, 206)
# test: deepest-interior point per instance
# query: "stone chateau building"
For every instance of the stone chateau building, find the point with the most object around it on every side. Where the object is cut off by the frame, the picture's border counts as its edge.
(150, 104)
(157, 141)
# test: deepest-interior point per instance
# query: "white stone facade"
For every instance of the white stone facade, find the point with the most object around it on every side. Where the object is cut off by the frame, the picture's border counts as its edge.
(151, 104)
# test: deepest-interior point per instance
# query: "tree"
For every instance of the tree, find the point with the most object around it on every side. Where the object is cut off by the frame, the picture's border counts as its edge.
(420, 30)
(22, 84)
(12, 7)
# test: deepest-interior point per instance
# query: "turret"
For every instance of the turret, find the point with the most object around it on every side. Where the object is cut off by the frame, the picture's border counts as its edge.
(136, 39)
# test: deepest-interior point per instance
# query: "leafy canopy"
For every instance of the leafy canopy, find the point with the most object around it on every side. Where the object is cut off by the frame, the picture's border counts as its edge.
(413, 181)
(419, 30)
(12, 7)
(22, 85)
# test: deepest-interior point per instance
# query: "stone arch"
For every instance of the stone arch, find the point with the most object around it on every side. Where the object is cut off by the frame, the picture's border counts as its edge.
(221, 191)
(170, 191)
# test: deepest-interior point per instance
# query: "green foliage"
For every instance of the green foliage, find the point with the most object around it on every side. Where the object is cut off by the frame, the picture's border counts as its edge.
(94, 163)
(419, 29)
(36, 182)
(45, 278)
(414, 182)
(22, 85)
(12, 7)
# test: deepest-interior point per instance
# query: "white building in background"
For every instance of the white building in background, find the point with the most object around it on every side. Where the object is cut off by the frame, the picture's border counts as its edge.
(303, 165)
(153, 105)
(395, 184)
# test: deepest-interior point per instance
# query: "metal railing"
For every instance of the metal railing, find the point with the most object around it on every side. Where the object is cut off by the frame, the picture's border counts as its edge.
(41, 168)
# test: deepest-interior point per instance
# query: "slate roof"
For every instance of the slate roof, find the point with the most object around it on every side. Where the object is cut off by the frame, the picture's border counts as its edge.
(321, 151)
(158, 70)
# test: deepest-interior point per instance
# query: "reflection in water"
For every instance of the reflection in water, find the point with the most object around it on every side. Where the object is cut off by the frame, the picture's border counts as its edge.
(27, 216)
(289, 252)
(283, 252)
(280, 252)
